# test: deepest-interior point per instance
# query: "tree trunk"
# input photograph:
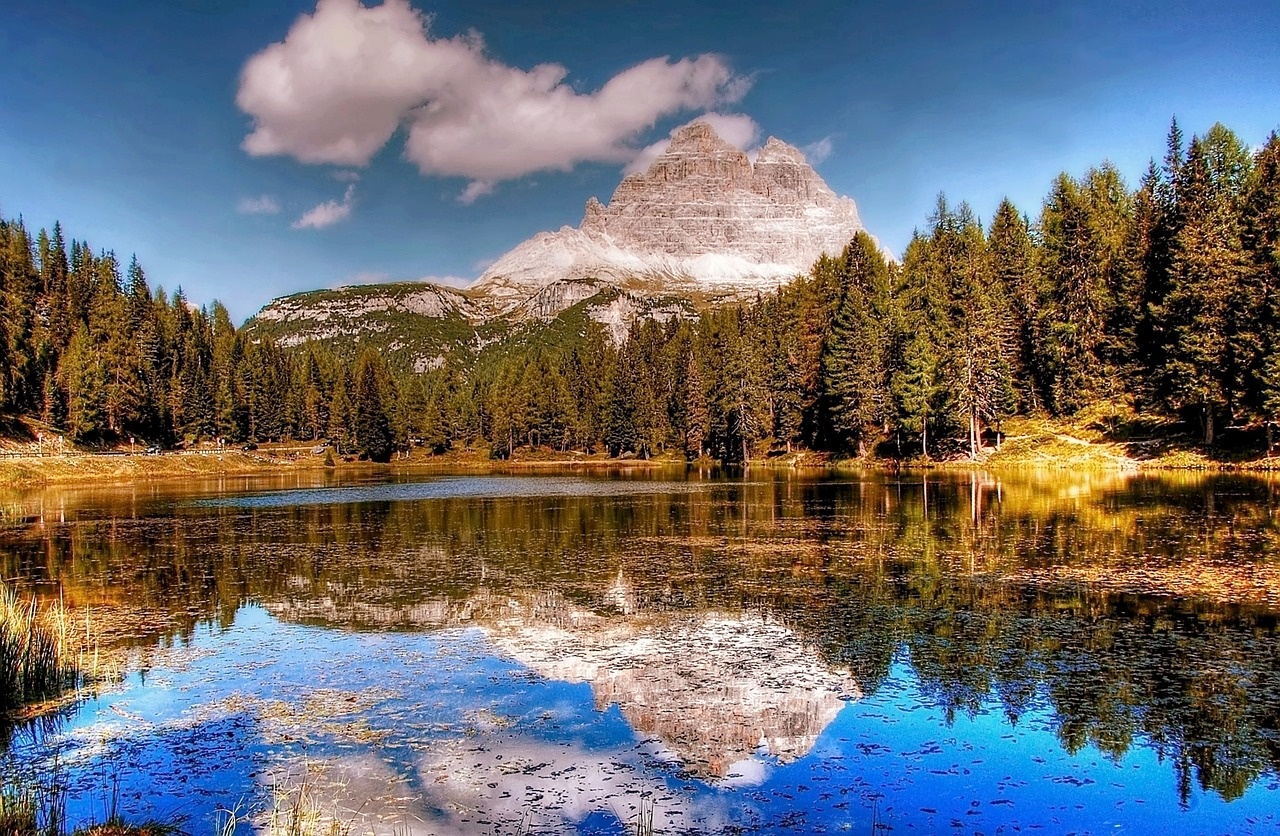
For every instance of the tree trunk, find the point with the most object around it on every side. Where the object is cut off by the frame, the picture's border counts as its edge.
(924, 437)
(1208, 426)
(973, 435)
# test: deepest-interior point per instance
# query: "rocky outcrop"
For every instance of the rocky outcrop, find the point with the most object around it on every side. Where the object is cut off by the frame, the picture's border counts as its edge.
(704, 217)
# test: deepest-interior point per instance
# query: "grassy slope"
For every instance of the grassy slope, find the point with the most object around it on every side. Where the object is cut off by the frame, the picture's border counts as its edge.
(122, 469)
(399, 335)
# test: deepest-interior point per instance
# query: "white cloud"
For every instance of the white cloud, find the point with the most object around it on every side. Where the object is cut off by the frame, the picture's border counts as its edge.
(346, 77)
(346, 175)
(737, 129)
(328, 213)
(816, 152)
(475, 190)
(265, 205)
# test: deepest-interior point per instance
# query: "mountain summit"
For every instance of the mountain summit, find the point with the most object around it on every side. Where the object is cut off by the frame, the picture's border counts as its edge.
(704, 217)
(704, 224)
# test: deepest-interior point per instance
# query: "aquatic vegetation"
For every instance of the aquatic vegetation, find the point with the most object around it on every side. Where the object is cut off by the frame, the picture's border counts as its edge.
(37, 806)
(32, 808)
(296, 810)
(37, 660)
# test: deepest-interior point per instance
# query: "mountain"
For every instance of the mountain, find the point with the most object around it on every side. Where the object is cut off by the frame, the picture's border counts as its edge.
(703, 218)
(703, 225)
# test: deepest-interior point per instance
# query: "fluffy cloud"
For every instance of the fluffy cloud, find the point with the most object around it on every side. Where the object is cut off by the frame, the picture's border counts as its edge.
(346, 77)
(816, 152)
(475, 190)
(327, 213)
(265, 205)
(737, 129)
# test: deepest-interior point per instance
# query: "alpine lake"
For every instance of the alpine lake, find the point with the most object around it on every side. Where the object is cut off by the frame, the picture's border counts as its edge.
(665, 651)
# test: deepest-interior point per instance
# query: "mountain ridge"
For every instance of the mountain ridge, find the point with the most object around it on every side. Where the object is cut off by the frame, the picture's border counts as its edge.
(705, 224)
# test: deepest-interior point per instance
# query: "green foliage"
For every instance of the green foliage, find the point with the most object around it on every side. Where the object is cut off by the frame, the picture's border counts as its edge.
(856, 356)
(1212, 288)
(374, 391)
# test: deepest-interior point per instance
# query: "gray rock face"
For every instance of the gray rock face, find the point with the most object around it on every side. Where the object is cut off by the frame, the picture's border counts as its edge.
(704, 224)
(703, 217)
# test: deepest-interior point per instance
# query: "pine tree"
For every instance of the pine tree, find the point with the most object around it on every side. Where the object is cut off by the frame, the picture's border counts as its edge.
(83, 380)
(1262, 243)
(1016, 274)
(697, 417)
(20, 292)
(1079, 297)
(917, 394)
(1208, 353)
(982, 338)
(1109, 209)
(917, 385)
(340, 414)
(373, 434)
(855, 368)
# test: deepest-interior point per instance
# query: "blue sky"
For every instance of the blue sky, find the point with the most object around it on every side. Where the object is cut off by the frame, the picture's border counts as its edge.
(201, 134)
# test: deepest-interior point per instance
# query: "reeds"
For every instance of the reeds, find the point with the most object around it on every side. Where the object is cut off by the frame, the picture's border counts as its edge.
(38, 807)
(33, 807)
(297, 812)
(37, 660)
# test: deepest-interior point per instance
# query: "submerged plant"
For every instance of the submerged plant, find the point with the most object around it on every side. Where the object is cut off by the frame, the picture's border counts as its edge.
(644, 818)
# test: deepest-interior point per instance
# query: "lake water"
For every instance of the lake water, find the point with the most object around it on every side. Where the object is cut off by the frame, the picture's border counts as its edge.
(577, 653)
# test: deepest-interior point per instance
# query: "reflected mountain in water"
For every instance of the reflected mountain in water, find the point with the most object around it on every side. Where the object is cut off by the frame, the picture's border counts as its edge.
(714, 688)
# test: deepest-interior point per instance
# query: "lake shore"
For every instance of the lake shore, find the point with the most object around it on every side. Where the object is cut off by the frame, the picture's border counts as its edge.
(1026, 444)
(123, 468)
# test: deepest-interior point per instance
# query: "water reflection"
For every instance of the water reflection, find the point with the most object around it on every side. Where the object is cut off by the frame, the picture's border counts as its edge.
(732, 621)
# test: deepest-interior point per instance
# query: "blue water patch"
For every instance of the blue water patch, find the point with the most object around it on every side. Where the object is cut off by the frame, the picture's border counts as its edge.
(444, 732)
(449, 488)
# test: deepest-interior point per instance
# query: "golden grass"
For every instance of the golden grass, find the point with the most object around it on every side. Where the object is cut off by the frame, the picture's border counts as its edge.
(37, 656)
(123, 469)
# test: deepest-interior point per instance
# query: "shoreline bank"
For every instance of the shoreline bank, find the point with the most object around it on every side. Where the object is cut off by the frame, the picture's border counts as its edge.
(1017, 454)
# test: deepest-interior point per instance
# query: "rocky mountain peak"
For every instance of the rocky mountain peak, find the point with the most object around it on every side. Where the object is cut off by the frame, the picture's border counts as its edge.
(698, 138)
(777, 151)
(703, 214)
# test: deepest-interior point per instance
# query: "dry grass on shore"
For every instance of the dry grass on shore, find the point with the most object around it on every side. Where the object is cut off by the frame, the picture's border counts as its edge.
(32, 471)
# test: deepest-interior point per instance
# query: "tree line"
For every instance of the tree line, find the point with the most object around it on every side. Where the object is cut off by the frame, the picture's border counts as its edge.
(87, 348)
(1161, 300)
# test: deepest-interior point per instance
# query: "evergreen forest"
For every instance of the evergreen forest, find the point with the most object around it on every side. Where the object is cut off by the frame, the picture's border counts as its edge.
(1161, 299)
